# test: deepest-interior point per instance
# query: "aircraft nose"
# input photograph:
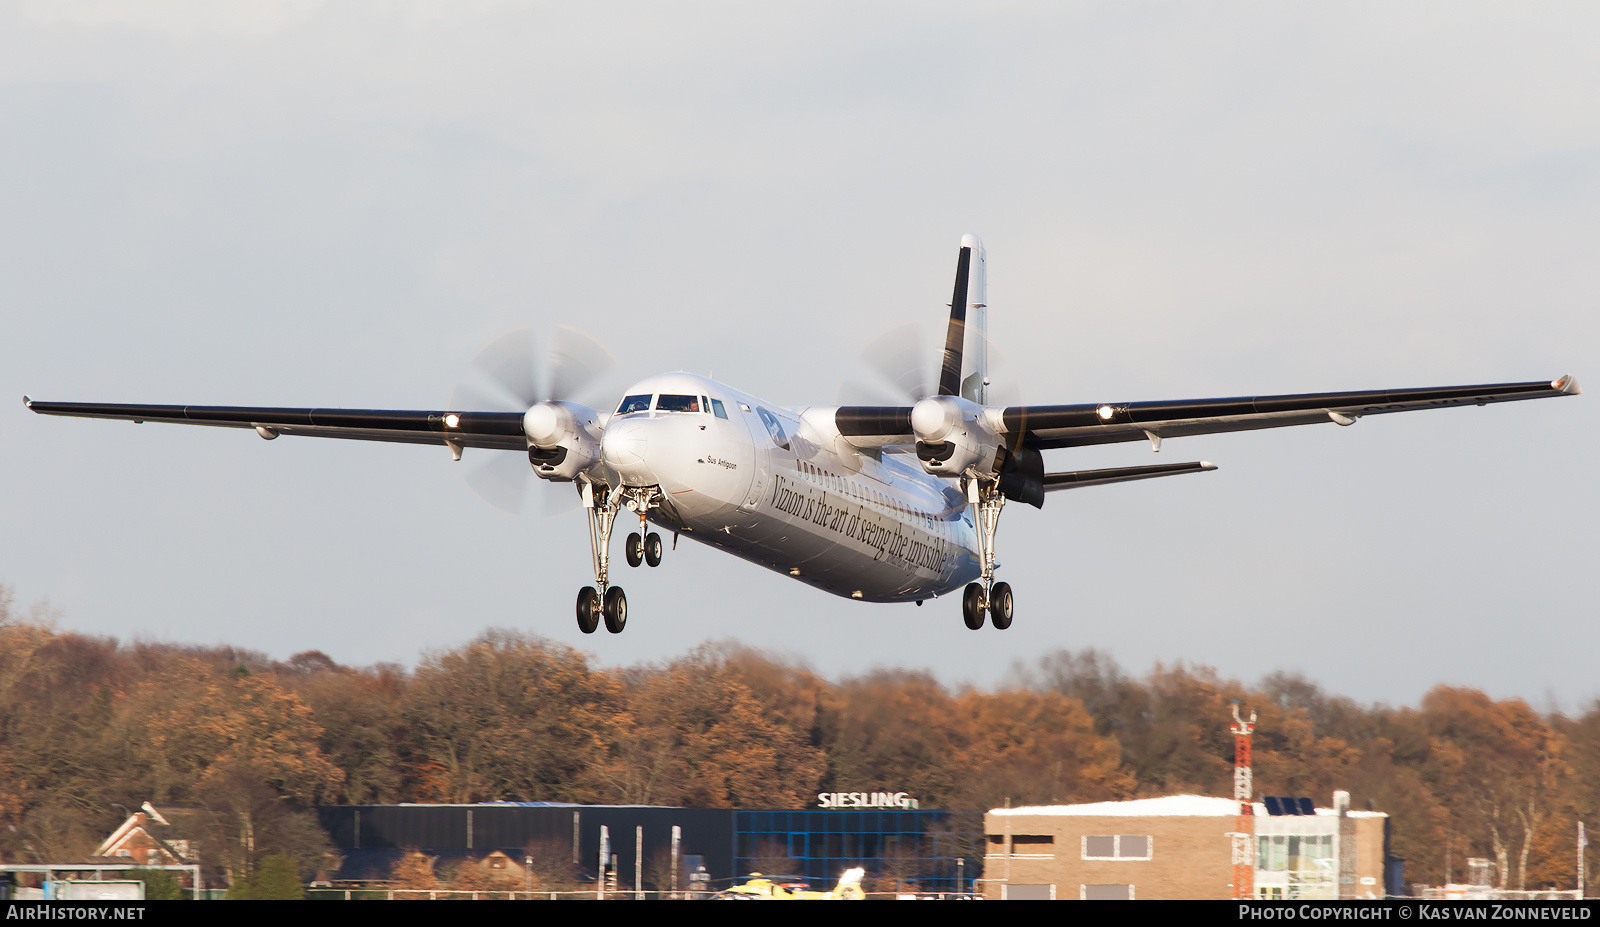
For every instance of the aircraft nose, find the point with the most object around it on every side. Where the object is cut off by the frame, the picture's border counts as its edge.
(623, 448)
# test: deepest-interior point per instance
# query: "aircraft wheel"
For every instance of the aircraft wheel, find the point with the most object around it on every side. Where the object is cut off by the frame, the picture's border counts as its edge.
(972, 606)
(634, 549)
(588, 609)
(1000, 605)
(652, 549)
(616, 610)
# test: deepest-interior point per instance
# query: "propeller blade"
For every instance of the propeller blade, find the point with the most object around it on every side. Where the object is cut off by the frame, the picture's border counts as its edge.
(868, 393)
(502, 481)
(558, 499)
(467, 399)
(509, 361)
(576, 359)
(897, 355)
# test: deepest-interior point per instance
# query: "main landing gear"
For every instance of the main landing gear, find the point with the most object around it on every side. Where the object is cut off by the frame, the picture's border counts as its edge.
(986, 598)
(609, 602)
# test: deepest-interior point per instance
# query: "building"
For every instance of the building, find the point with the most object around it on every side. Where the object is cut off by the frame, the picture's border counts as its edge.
(1180, 846)
(902, 844)
(168, 836)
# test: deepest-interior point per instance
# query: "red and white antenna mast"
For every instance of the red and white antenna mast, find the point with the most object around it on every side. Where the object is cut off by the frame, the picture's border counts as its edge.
(1244, 836)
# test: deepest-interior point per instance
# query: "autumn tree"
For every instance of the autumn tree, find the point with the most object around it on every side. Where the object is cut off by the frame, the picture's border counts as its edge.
(413, 871)
(1034, 748)
(359, 712)
(894, 728)
(699, 737)
(552, 867)
(512, 717)
(1503, 767)
(187, 726)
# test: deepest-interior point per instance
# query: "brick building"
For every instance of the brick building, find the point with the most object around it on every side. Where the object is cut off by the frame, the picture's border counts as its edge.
(1180, 847)
(165, 836)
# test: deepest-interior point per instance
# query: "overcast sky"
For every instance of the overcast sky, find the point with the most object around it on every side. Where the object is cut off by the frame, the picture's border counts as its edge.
(336, 204)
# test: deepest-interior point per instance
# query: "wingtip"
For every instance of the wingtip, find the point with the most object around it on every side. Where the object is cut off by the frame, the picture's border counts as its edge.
(1207, 465)
(27, 402)
(1568, 385)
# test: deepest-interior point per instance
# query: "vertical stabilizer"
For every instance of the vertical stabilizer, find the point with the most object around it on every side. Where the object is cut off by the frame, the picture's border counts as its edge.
(967, 336)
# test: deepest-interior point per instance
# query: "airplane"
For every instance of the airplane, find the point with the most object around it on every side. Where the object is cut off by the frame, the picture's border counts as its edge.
(876, 503)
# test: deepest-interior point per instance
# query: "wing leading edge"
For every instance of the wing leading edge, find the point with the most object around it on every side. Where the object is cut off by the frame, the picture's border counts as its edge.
(499, 430)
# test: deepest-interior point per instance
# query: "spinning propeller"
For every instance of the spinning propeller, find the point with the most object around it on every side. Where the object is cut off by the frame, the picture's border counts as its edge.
(523, 379)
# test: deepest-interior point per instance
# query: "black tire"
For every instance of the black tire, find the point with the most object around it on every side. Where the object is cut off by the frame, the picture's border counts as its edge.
(634, 549)
(615, 610)
(972, 606)
(652, 549)
(588, 609)
(1000, 605)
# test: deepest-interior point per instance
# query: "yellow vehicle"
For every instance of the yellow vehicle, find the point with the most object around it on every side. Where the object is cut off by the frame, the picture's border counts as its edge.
(763, 888)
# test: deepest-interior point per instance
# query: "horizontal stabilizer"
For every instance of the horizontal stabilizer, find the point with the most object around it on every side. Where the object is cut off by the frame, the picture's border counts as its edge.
(1077, 478)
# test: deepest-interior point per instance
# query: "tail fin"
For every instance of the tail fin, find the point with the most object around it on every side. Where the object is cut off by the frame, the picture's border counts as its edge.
(969, 324)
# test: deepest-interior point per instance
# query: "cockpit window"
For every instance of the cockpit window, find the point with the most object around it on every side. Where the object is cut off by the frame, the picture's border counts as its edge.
(668, 403)
(717, 409)
(634, 404)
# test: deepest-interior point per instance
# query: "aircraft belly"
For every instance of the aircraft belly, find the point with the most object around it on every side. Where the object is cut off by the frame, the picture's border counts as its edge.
(772, 514)
(845, 548)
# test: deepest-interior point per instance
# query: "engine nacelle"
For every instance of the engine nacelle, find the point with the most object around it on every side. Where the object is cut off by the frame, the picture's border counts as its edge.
(952, 438)
(564, 439)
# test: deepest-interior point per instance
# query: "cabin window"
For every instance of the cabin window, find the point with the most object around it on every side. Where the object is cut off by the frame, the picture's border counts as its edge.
(717, 409)
(634, 404)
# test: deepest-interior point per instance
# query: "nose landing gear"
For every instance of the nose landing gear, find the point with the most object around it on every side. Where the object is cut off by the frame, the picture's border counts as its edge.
(646, 549)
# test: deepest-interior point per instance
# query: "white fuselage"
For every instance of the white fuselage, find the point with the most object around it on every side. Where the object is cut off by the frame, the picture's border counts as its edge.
(780, 487)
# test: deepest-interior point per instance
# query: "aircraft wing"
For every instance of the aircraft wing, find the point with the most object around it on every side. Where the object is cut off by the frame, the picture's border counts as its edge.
(1045, 427)
(500, 430)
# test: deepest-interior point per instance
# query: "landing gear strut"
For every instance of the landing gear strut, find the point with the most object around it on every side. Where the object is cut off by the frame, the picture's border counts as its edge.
(644, 545)
(986, 596)
(608, 601)
(603, 600)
